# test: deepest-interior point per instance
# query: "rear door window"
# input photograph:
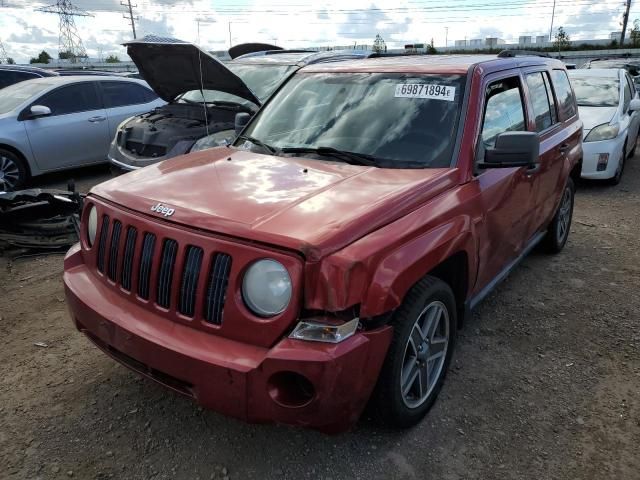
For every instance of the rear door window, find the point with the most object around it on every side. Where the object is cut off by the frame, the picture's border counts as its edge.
(540, 100)
(504, 110)
(119, 94)
(564, 94)
(78, 97)
(9, 77)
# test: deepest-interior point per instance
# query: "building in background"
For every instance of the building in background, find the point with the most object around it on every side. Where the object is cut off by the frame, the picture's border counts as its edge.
(524, 40)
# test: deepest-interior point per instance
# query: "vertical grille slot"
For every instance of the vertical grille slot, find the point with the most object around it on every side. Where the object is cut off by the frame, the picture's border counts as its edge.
(217, 288)
(102, 245)
(189, 282)
(165, 276)
(113, 250)
(127, 257)
(146, 257)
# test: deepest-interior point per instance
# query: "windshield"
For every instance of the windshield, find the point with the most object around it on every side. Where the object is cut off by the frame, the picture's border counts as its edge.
(404, 121)
(596, 91)
(262, 80)
(15, 95)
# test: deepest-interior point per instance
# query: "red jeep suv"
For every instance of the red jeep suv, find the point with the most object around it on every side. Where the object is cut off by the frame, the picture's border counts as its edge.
(326, 259)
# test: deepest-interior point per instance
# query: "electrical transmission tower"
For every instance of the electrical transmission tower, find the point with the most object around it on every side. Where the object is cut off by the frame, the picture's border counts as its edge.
(129, 16)
(4, 58)
(69, 42)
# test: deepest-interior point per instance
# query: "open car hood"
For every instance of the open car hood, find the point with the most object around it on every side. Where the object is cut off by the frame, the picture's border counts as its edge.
(172, 67)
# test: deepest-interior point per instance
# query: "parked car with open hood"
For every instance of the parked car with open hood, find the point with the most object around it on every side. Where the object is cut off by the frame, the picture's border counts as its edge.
(328, 257)
(203, 96)
(59, 122)
(609, 108)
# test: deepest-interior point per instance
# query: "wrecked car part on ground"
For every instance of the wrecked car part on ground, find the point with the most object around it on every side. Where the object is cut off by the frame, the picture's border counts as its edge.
(39, 219)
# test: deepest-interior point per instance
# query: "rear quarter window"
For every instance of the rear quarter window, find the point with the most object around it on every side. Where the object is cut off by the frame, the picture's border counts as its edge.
(120, 94)
(564, 94)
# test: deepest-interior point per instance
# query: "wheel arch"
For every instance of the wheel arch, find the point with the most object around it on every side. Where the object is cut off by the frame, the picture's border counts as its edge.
(19, 154)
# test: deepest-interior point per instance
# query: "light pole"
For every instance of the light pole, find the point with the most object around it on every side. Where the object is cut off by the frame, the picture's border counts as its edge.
(446, 37)
(553, 14)
(202, 20)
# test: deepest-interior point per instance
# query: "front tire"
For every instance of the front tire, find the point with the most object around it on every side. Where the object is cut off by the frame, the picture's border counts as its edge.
(13, 172)
(615, 180)
(558, 232)
(419, 355)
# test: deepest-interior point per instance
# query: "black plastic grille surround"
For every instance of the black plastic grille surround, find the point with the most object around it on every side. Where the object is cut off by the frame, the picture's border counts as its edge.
(217, 288)
(189, 282)
(146, 259)
(127, 258)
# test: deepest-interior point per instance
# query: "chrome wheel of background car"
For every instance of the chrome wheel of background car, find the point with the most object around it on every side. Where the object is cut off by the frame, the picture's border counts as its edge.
(564, 215)
(425, 354)
(9, 173)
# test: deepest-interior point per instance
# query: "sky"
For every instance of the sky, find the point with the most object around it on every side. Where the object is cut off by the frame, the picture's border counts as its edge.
(302, 23)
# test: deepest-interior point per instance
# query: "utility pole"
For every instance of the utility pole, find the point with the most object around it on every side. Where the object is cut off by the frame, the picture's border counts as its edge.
(130, 15)
(553, 14)
(446, 37)
(230, 35)
(69, 42)
(625, 19)
(4, 58)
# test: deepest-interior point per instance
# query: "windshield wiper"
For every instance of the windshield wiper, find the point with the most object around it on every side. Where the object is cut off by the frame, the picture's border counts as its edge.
(353, 158)
(258, 143)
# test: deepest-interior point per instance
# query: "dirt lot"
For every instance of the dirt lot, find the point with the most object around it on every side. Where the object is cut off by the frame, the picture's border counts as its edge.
(545, 383)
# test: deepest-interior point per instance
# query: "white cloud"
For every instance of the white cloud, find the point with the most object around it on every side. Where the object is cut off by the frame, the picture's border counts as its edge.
(294, 23)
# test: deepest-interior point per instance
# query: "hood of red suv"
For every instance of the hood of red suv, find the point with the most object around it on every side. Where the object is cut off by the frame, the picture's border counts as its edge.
(312, 206)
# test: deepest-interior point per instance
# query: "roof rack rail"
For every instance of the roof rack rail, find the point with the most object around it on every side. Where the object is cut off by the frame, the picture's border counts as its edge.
(521, 53)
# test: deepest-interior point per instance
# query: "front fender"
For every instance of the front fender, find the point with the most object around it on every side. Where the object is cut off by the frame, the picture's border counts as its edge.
(401, 269)
(377, 271)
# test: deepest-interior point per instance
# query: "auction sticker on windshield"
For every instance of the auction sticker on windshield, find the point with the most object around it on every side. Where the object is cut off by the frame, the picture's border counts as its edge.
(421, 90)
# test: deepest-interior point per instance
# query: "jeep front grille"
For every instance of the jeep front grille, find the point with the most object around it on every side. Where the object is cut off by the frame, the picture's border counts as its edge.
(135, 264)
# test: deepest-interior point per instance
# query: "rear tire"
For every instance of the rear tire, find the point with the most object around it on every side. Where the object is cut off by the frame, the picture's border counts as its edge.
(13, 171)
(419, 355)
(558, 231)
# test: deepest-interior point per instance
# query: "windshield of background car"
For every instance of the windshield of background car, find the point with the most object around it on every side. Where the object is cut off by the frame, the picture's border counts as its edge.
(262, 80)
(596, 91)
(405, 121)
(15, 95)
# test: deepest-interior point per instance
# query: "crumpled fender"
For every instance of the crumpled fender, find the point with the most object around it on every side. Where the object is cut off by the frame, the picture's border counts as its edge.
(377, 271)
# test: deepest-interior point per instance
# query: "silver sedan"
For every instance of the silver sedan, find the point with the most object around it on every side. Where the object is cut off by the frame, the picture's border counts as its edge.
(57, 123)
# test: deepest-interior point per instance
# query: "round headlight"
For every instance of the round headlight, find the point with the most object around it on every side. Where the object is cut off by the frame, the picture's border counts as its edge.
(266, 288)
(92, 225)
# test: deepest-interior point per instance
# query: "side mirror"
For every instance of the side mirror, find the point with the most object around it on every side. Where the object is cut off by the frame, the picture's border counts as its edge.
(39, 111)
(513, 149)
(634, 106)
(241, 121)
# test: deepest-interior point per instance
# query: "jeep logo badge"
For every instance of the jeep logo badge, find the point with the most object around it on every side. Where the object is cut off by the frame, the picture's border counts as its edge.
(162, 210)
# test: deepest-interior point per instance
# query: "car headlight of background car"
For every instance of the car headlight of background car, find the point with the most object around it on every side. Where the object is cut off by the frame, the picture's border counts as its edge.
(92, 225)
(266, 288)
(603, 132)
(219, 139)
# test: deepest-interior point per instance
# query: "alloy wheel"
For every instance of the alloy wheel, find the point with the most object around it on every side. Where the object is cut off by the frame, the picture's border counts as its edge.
(9, 173)
(425, 354)
(564, 215)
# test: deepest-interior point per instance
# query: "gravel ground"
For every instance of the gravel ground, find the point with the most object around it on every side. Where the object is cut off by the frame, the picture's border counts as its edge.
(545, 383)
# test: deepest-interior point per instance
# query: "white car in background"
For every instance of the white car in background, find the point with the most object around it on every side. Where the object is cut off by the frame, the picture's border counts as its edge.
(609, 107)
(61, 122)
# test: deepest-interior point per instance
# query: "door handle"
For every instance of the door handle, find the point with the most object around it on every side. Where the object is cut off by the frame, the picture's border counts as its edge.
(98, 118)
(564, 148)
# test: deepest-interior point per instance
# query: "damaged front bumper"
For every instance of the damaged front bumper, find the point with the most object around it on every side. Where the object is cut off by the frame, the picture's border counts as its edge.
(318, 385)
